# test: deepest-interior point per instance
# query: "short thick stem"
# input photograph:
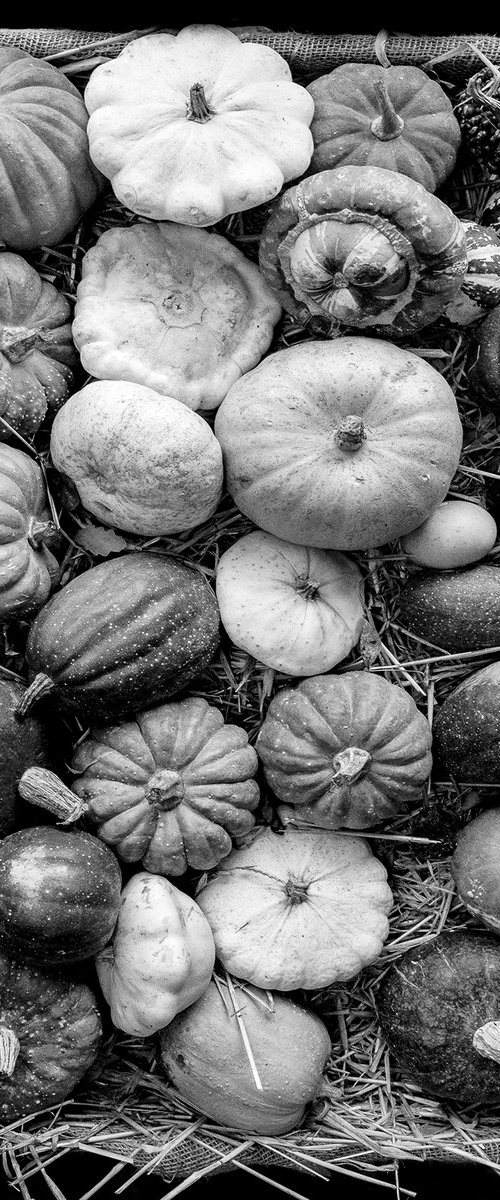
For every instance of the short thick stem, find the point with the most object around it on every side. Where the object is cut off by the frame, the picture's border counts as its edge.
(9, 1050)
(350, 764)
(296, 892)
(165, 790)
(41, 686)
(486, 1040)
(306, 587)
(388, 125)
(42, 787)
(40, 532)
(199, 108)
(350, 434)
(17, 342)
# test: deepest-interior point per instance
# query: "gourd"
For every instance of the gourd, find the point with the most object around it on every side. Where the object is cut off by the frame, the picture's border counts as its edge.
(439, 1012)
(363, 248)
(296, 609)
(465, 729)
(141, 462)
(48, 178)
(457, 610)
(203, 1055)
(175, 308)
(300, 431)
(394, 117)
(299, 909)
(170, 788)
(23, 744)
(474, 868)
(456, 534)
(128, 632)
(59, 894)
(347, 751)
(28, 569)
(37, 354)
(484, 373)
(50, 1036)
(219, 129)
(480, 287)
(160, 958)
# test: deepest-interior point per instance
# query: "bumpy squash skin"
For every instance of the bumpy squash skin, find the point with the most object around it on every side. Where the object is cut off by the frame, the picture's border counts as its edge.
(465, 728)
(129, 632)
(458, 610)
(475, 870)
(203, 1055)
(57, 1022)
(22, 744)
(59, 894)
(430, 1004)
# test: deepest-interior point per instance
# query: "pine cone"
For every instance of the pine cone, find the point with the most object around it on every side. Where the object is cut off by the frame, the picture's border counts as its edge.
(478, 114)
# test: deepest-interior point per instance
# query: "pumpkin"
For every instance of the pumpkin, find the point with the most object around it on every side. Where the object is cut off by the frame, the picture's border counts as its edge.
(139, 461)
(484, 372)
(474, 867)
(130, 631)
(170, 788)
(297, 909)
(456, 534)
(456, 610)
(480, 286)
(465, 729)
(346, 750)
(37, 355)
(340, 444)
(392, 117)
(219, 129)
(363, 247)
(23, 744)
(439, 1013)
(160, 959)
(50, 1036)
(204, 1057)
(295, 609)
(48, 178)
(28, 569)
(174, 308)
(59, 894)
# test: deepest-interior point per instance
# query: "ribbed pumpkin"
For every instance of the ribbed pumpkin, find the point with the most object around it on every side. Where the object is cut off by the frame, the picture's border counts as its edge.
(23, 744)
(28, 569)
(48, 178)
(480, 287)
(127, 632)
(394, 117)
(345, 750)
(37, 355)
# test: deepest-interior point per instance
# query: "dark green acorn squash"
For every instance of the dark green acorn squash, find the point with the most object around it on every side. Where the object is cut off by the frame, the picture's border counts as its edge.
(466, 729)
(122, 636)
(456, 610)
(484, 374)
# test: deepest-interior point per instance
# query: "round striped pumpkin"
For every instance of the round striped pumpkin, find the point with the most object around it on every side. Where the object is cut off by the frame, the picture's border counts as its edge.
(480, 288)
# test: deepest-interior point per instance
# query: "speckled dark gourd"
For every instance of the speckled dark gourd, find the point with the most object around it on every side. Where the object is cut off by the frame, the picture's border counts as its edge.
(22, 744)
(484, 374)
(480, 288)
(50, 1034)
(123, 635)
(435, 1007)
(456, 610)
(59, 894)
(475, 867)
(466, 727)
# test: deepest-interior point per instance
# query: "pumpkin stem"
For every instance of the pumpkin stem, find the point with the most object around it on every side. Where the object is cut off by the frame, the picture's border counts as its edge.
(388, 125)
(16, 342)
(296, 892)
(41, 686)
(486, 1040)
(350, 434)
(39, 786)
(40, 531)
(199, 108)
(9, 1050)
(165, 790)
(306, 587)
(350, 764)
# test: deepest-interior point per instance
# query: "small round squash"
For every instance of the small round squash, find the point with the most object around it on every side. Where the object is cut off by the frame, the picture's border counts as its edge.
(457, 610)
(457, 533)
(475, 867)
(466, 729)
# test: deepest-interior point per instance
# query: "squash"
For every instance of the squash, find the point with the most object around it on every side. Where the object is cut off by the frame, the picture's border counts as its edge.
(171, 788)
(219, 129)
(484, 373)
(340, 444)
(365, 248)
(457, 533)
(474, 867)
(50, 1036)
(465, 729)
(174, 308)
(160, 958)
(28, 569)
(297, 909)
(490, 216)
(394, 117)
(23, 744)
(130, 631)
(295, 609)
(347, 751)
(203, 1055)
(457, 610)
(59, 894)
(139, 461)
(480, 287)
(37, 354)
(48, 178)
(439, 1012)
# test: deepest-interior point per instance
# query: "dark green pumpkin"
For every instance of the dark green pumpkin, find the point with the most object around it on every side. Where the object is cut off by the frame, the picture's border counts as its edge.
(122, 636)
(484, 374)
(456, 610)
(22, 744)
(466, 729)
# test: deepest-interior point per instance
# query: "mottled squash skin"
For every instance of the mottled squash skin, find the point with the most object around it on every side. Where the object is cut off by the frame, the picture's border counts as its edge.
(465, 729)
(430, 1004)
(458, 610)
